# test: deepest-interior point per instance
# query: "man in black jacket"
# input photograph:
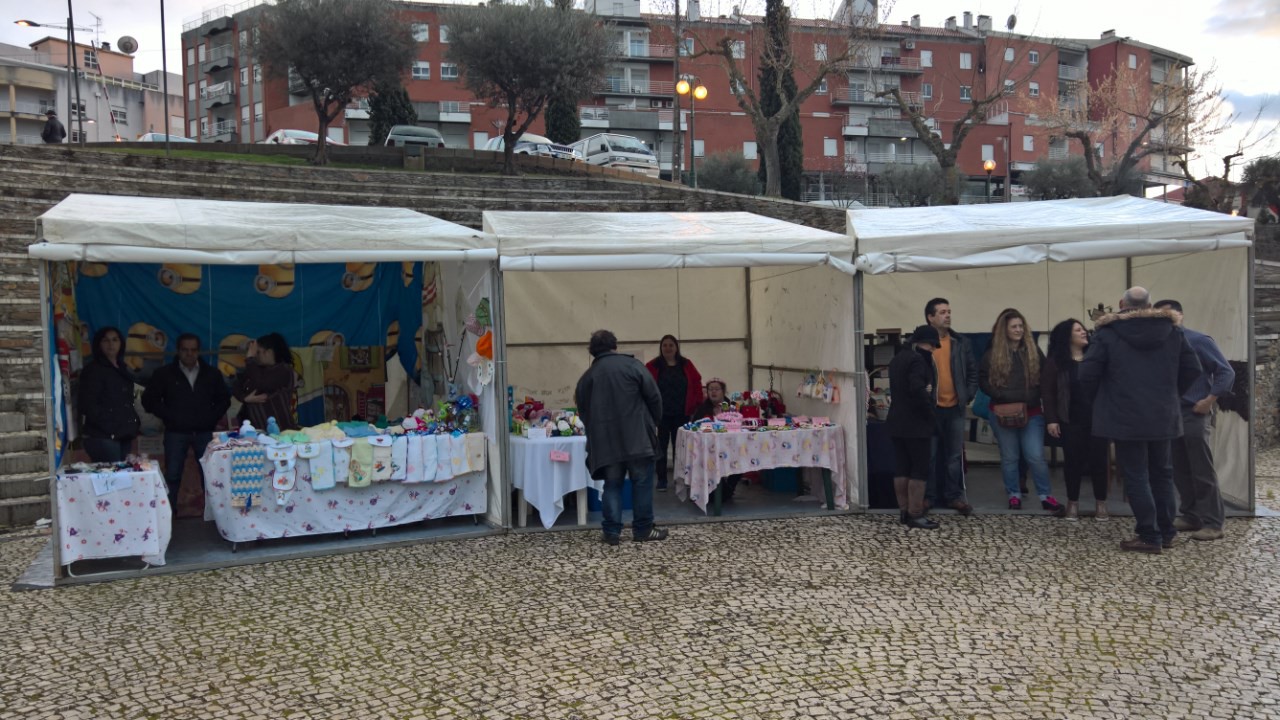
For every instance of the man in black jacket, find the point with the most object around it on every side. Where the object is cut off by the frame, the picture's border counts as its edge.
(620, 405)
(190, 396)
(53, 132)
(913, 382)
(1137, 368)
(957, 384)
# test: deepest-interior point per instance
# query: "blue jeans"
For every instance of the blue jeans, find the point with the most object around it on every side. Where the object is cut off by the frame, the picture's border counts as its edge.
(176, 445)
(1147, 468)
(948, 455)
(641, 474)
(1026, 443)
(105, 450)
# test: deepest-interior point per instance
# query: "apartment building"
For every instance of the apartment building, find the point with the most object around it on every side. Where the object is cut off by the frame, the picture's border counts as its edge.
(850, 129)
(113, 101)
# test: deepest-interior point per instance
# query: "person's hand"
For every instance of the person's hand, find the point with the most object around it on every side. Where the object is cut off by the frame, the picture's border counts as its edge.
(928, 389)
(255, 397)
(1054, 429)
(1205, 406)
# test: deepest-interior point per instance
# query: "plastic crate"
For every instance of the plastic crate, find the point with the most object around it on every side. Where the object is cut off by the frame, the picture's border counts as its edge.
(782, 480)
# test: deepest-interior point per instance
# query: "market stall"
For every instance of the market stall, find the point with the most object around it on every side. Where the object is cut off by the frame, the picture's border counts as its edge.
(1072, 258)
(385, 310)
(762, 303)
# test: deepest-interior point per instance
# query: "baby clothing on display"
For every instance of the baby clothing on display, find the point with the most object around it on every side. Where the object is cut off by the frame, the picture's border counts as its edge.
(474, 446)
(399, 458)
(342, 459)
(316, 461)
(428, 450)
(361, 464)
(381, 445)
(412, 458)
(444, 458)
(284, 460)
(249, 469)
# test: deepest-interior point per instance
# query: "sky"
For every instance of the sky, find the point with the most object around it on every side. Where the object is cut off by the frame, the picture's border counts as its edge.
(1238, 37)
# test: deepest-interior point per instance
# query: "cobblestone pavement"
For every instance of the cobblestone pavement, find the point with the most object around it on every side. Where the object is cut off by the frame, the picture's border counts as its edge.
(990, 617)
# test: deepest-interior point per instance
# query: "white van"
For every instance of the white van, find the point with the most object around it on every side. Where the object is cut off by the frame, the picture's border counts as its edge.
(406, 135)
(618, 151)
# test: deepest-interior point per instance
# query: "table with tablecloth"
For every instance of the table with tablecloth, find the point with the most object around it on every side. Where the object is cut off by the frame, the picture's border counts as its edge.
(703, 458)
(307, 511)
(543, 481)
(113, 514)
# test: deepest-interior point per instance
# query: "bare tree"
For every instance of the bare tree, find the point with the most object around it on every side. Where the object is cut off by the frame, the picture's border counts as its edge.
(1217, 192)
(519, 57)
(336, 50)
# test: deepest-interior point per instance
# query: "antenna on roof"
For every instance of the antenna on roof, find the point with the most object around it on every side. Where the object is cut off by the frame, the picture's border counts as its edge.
(1013, 20)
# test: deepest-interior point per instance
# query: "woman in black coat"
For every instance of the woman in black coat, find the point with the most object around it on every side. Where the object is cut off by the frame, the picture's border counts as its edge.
(268, 385)
(1068, 415)
(912, 382)
(110, 422)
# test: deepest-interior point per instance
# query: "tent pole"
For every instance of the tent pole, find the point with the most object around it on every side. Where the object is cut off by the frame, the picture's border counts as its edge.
(751, 381)
(1252, 370)
(859, 394)
(499, 310)
(50, 429)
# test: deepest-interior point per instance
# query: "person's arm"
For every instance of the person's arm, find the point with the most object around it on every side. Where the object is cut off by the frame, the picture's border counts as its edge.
(1189, 369)
(91, 386)
(1222, 374)
(919, 385)
(695, 382)
(153, 397)
(1049, 392)
(984, 375)
(1093, 366)
(652, 396)
(970, 368)
(582, 397)
(221, 397)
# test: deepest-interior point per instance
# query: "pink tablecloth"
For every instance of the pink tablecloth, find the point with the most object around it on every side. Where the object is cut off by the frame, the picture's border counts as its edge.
(702, 459)
(131, 517)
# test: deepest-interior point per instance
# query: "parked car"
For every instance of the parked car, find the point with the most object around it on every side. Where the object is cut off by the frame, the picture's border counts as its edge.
(620, 151)
(296, 137)
(530, 144)
(405, 135)
(159, 137)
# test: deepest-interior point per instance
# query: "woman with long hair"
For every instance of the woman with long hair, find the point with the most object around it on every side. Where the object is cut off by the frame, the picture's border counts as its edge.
(106, 400)
(1010, 374)
(1068, 415)
(268, 384)
(681, 386)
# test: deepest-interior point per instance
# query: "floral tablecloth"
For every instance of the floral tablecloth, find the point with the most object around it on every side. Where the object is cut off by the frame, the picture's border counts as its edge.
(702, 459)
(119, 514)
(307, 511)
(544, 481)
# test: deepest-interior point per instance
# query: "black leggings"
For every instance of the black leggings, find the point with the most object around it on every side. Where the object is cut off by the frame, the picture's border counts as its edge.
(1083, 454)
(667, 430)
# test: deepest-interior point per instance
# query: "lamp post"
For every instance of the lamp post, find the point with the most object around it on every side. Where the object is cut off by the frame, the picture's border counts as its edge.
(73, 67)
(989, 166)
(698, 92)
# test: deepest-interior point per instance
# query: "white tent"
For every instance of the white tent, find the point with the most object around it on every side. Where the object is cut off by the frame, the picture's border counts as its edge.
(754, 300)
(984, 258)
(120, 229)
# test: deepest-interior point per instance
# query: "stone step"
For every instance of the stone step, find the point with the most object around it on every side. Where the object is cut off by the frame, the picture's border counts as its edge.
(20, 311)
(17, 286)
(22, 511)
(12, 422)
(26, 441)
(22, 380)
(19, 463)
(27, 406)
(24, 485)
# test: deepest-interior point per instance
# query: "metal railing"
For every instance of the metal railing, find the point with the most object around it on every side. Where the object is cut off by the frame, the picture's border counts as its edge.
(219, 11)
(868, 97)
(223, 127)
(457, 107)
(29, 108)
(897, 62)
(1158, 74)
(28, 140)
(593, 113)
(222, 52)
(643, 50)
(620, 86)
(222, 89)
(895, 158)
(1070, 72)
(1058, 152)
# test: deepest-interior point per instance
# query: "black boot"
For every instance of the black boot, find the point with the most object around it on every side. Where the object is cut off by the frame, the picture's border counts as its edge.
(916, 507)
(920, 523)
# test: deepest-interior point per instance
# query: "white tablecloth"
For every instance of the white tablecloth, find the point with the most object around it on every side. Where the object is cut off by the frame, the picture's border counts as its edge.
(314, 512)
(545, 482)
(124, 522)
(703, 458)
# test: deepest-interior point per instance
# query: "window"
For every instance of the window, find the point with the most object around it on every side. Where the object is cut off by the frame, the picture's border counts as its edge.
(1133, 61)
(444, 33)
(421, 32)
(204, 126)
(191, 56)
(822, 88)
(244, 114)
(421, 70)
(192, 129)
(1029, 143)
(926, 91)
(191, 91)
(448, 71)
(244, 76)
(988, 152)
(257, 112)
(1133, 123)
(926, 58)
(90, 59)
(74, 137)
(204, 85)
(966, 61)
(1033, 57)
(820, 52)
(200, 52)
(1098, 148)
(749, 151)
(255, 36)
(1008, 55)
(120, 117)
(244, 39)
(1033, 89)
(966, 93)
(739, 48)
(1008, 87)
(736, 87)
(257, 74)
(829, 147)
(699, 148)
(686, 47)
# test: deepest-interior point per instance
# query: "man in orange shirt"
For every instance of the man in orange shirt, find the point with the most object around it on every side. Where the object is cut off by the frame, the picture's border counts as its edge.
(957, 384)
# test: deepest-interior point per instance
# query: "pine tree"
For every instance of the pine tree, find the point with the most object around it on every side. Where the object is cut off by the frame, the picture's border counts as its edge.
(790, 143)
(561, 116)
(389, 106)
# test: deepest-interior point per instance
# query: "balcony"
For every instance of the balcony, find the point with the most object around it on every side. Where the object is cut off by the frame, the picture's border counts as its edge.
(858, 96)
(594, 117)
(220, 58)
(626, 119)
(33, 110)
(643, 51)
(622, 86)
(297, 86)
(898, 158)
(1159, 74)
(1059, 152)
(455, 111)
(221, 131)
(889, 127)
(1071, 73)
(223, 93)
(896, 63)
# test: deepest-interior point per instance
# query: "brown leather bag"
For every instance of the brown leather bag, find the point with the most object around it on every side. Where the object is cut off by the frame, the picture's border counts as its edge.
(1010, 415)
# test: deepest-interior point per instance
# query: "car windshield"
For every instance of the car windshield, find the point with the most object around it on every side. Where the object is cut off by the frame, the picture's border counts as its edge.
(622, 143)
(301, 135)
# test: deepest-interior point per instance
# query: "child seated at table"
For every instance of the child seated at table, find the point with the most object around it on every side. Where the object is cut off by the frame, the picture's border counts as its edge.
(712, 404)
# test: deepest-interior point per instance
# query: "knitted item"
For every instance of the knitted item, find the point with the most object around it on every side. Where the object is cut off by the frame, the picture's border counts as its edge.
(399, 458)
(249, 470)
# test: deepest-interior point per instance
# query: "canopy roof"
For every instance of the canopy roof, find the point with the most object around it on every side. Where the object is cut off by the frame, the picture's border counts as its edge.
(114, 228)
(971, 236)
(634, 241)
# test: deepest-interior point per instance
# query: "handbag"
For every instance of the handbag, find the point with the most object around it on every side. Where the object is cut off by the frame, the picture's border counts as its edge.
(1010, 415)
(982, 405)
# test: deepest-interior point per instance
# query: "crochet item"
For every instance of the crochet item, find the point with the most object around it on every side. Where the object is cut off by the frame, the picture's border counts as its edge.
(249, 469)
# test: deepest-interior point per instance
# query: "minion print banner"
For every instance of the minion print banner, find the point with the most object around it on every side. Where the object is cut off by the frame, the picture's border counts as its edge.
(321, 307)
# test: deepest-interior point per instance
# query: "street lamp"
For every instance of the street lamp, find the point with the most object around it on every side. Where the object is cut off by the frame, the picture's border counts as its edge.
(698, 92)
(989, 166)
(73, 67)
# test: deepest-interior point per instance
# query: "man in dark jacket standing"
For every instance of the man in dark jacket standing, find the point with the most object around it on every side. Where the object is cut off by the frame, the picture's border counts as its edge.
(1136, 369)
(957, 384)
(53, 132)
(190, 396)
(913, 384)
(620, 405)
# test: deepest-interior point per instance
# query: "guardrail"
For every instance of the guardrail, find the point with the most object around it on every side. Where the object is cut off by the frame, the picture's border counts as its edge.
(1070, 72)
(618, 86)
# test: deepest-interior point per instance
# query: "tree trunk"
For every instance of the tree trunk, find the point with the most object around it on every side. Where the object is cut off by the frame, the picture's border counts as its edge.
(322, 143)
(772, 160)
(950, 180)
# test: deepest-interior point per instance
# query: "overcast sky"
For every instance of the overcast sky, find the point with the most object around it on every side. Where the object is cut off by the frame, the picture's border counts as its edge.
(1239, 37)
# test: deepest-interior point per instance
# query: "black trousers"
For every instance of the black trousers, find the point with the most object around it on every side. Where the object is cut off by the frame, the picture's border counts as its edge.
(667, 430)
(1083, 454)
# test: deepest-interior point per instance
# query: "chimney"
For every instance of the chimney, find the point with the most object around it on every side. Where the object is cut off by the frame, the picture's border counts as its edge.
(904, 23)
(951, 23)
(968, 20)
(1108, 34)
(106, 46)
(915, 21)
(984, 23)
(695, 11)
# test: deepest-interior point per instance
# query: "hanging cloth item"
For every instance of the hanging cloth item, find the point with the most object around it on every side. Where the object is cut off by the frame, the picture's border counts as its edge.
(284, 476)
(399, 457)
(318, 459)
(381, 445)
(444, 457)
(428, 458)
(342, 459)
(361, 473)
(249, 470)
(474, 446)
